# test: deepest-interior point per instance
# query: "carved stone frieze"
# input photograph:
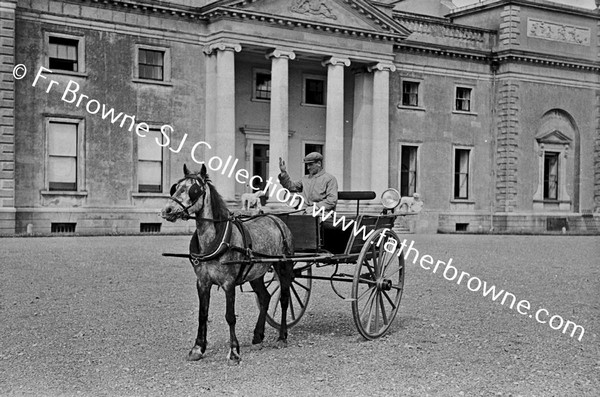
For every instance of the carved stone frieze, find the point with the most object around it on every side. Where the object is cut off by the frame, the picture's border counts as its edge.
(314, 7)
(558, 32)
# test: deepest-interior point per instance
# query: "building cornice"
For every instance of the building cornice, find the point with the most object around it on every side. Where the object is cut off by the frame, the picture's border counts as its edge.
(540, 4)
(544, 60)
(363, 7)
(290, 22)
(148, 6)
(502, 57)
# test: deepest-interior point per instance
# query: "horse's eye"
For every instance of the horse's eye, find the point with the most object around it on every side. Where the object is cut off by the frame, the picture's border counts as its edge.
(194, 192)
(173, 189)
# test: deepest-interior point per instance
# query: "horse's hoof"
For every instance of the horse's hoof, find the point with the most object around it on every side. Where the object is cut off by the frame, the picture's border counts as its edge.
(195, 354)
(234, 361)
(256, 346)
(281, 344)
(233, 358)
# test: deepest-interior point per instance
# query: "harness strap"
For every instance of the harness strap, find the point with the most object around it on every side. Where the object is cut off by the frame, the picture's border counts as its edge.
(220, 250)
(246, 250)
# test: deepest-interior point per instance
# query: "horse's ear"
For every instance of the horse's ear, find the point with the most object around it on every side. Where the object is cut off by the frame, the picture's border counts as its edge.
(203, 171)
(185, 170)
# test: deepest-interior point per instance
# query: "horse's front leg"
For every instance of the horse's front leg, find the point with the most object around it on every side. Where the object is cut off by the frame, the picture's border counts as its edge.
(234, 347)
(199, 348)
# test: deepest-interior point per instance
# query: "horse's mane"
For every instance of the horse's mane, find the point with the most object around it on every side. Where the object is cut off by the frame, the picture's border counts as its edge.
(217, 204)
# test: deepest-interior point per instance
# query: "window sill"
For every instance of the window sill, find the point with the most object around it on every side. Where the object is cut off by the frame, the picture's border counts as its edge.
(260, 100)
(63, 193)
(152, 82)
(149, 195)
(312, 105)
(548, 201)
(462, 201)
(68, 73)
(465, 113)
(406, 107)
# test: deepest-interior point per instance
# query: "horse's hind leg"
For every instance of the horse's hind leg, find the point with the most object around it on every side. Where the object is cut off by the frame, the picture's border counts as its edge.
(199, 348)
(234, 346)
(285, 271)
(258, 285)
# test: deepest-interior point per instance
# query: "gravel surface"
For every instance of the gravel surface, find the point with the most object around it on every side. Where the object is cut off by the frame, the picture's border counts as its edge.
(109, 316)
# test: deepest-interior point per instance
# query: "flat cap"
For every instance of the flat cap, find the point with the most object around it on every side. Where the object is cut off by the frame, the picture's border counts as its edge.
(312, 157)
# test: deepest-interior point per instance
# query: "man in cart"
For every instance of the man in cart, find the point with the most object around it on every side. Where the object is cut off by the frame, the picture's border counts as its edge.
(318, 187)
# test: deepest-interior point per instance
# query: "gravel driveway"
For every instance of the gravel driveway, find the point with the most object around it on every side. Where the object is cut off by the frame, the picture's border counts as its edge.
(110, 316)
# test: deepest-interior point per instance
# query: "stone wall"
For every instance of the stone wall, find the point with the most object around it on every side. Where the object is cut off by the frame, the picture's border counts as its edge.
(7, 117)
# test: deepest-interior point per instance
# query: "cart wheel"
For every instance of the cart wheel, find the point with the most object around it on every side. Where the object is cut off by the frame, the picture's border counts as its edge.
(378, 284)
(299, 295)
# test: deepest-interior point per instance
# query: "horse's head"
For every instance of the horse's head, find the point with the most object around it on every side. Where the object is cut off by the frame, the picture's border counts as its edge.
(187, 195)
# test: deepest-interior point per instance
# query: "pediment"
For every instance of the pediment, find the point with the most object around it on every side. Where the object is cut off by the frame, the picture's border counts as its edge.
(355, 14)
(554, 136)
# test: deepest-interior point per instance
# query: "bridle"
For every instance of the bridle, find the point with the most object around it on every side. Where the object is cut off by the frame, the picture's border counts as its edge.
(195, 192)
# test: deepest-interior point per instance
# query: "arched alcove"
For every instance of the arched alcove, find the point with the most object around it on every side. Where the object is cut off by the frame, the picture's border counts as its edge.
(556, 144)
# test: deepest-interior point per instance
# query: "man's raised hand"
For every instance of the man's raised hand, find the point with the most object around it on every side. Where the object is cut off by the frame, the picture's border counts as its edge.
(282, 165)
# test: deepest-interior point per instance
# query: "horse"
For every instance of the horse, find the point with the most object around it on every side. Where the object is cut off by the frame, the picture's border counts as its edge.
(219, 254)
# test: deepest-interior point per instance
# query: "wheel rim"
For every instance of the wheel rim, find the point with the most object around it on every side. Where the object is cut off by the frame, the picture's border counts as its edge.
(377, 286)
(299, 296)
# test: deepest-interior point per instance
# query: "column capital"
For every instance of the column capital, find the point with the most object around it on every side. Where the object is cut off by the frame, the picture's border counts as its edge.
(382, 66)
(335, 61)
(277, 53)
(211, 48)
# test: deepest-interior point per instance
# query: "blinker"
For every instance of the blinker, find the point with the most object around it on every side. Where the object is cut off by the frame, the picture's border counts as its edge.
(194, 192)
(173, 189)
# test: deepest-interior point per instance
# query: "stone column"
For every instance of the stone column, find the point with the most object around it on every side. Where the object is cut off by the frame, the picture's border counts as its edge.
(279, 122)
(362, 124)
(210, 108)
(380, 166)
(7, 118)
(223, 144)
(334, 127)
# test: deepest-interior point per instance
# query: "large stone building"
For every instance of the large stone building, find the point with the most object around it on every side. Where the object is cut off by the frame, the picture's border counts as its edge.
(491, 111)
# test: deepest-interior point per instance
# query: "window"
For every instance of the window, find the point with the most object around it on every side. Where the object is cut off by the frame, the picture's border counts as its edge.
(410, 93)
(65, 53)
(408, 170)
(62, 156)
(150, 162)
(151, 64)
(309, 148)
(262, 85)
(551, 175)
(314, 90)
(461, 173)
(463, 99)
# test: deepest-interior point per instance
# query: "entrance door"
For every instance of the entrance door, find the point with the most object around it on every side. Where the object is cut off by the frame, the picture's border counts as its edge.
(260, 167)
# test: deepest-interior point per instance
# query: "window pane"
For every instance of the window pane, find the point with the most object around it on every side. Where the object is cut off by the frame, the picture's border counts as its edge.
(551, 175)
(461, 174)
(62, 169)
(410, 93)
(150, 64)
(315, 90)
(148, 149)
(62, 53)
(408, 171)
(149, 173)
(62, 139)
(263, 86)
